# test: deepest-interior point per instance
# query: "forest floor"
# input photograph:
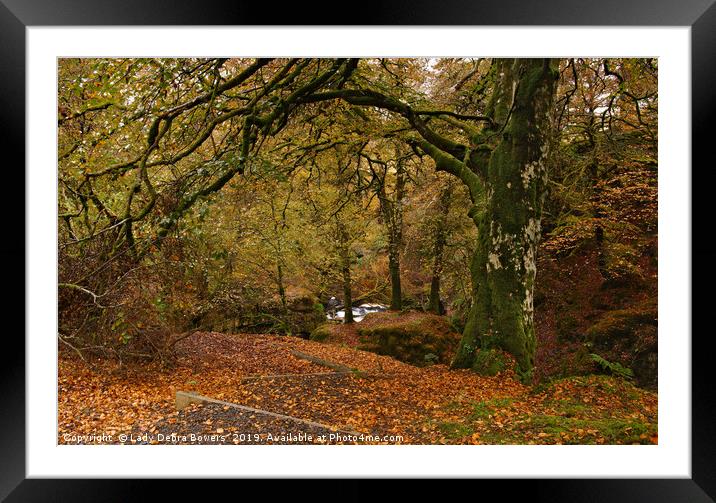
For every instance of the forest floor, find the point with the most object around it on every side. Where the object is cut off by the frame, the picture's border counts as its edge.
(389, 402)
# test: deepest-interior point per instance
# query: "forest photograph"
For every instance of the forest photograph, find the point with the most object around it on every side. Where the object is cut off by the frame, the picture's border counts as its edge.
(379, 251)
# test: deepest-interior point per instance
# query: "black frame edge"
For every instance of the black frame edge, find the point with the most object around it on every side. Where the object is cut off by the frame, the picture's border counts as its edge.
(12, 142)
(703, 109)
(699, 14)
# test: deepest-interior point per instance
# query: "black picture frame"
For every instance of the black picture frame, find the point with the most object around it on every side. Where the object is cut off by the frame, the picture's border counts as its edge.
(700, 15)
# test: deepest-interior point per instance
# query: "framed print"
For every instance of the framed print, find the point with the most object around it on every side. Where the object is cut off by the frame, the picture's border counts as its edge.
(424, 226)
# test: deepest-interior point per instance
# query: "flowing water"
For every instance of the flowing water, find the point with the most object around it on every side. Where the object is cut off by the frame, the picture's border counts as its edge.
(358, 312)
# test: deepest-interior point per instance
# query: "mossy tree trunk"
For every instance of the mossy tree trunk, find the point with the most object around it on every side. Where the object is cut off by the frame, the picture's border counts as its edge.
(434, 300)
(275, 242)
(506, 170)
(591, 129)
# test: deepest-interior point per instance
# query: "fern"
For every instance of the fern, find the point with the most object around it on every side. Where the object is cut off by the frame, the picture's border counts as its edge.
(613, 367)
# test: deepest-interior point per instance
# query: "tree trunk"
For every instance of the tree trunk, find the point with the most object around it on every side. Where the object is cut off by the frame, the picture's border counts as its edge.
(347, 294)
(434, 301)
(599, 239)
(281, 289)
(440, 241)
(508, 217)
(396, 293)
(597, 213)
(346, 273)
(392, 212)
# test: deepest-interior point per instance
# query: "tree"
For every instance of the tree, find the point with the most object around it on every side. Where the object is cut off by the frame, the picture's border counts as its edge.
(388, 183)
(204, 121)
(605, 162)
(504, 166)
(509, 195)
(439, 242)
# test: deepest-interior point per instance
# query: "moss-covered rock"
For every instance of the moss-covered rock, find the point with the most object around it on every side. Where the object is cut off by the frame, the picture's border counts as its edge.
(305, 303)
(412, 337)
(236, 308)
(629, 337)
(322, 333)
(304, 323)
(304, 312)
(621, 324)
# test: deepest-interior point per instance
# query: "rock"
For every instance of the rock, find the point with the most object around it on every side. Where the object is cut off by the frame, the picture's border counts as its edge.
(410, 337)
(629, 337)
(302, 304)
(305, 312)
(321, 333)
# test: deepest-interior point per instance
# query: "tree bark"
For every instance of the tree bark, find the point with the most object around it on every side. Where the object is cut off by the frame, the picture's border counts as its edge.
(508, 217)
(504, 168)
(281, 290)
(392, 212)
(346, 273)
(438, 248)
(396, 292)
(597, 214)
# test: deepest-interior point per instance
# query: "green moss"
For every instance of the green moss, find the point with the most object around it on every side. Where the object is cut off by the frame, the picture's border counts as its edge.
(416, 338)
(455, 430)
(613, 431)
(485, 409)
(489, 362)
(481, 411)
(570, 408)
(550, 429)
(430, 358)
(621, 323)
(551, 425)
(624, 431)
(497, 438)
(321, 333)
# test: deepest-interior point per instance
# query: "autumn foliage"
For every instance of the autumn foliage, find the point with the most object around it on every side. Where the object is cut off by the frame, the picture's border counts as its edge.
(422, 405)
(212, 212)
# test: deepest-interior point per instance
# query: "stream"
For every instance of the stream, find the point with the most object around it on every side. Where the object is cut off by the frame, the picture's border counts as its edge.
(358, 312)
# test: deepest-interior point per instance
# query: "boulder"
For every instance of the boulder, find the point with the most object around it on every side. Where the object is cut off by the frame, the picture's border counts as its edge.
(412, 337)
(305, 311)
(629, 337)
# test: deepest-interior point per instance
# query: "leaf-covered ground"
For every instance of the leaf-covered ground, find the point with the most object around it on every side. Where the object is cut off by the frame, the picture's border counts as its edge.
(393, 403)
